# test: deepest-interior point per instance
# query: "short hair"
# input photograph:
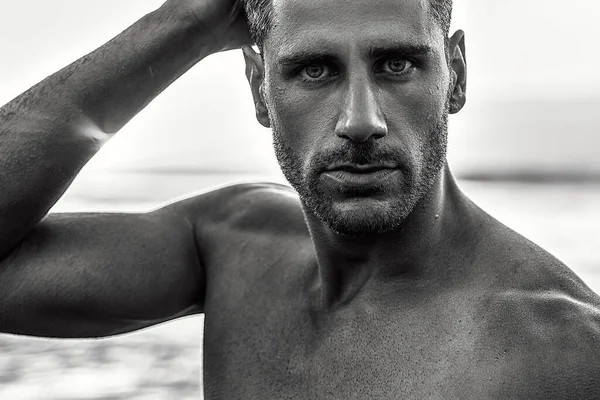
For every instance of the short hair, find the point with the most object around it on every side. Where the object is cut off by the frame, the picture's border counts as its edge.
(260, 17)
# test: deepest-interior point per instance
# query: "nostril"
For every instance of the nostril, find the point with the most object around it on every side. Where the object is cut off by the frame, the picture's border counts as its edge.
(361, 136)
(379, 135)
(361, 133)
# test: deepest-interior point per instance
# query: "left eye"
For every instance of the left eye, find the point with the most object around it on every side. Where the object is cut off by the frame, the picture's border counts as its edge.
(396, 65)
(315, 71)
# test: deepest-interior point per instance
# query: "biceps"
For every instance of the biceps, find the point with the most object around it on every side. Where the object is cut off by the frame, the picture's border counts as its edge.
(101, 271)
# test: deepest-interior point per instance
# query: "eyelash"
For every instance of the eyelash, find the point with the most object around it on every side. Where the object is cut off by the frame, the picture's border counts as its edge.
(412, 64)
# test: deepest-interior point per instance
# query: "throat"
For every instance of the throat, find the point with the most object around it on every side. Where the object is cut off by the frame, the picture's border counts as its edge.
(421, 256)
(368, 273)
(342, 283)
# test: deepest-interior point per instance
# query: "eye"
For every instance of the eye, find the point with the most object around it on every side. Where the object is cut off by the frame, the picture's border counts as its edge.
(396, 66)
(316, 72)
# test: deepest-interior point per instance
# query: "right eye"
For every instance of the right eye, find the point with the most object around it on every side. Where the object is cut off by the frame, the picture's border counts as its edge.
(316, 73)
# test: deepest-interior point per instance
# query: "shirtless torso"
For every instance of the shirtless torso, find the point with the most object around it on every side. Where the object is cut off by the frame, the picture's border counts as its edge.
(416, 293)
(523, 326)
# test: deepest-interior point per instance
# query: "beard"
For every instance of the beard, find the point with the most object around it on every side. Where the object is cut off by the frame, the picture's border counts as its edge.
(368, 215)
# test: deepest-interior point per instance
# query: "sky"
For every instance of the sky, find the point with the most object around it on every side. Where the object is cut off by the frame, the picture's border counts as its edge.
(534, 86)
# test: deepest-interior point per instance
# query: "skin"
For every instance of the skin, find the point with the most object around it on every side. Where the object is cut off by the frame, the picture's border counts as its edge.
(303, 297)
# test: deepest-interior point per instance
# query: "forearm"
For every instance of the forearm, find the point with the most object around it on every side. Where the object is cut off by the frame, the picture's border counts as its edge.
(48, 133)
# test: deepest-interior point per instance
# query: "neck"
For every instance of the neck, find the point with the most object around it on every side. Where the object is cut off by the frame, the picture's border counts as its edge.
(419, 250)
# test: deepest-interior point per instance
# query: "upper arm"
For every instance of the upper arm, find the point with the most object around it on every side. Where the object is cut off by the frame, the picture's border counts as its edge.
(91, 275)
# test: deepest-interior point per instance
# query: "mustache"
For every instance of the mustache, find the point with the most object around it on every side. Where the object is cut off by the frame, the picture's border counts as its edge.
(370, 152)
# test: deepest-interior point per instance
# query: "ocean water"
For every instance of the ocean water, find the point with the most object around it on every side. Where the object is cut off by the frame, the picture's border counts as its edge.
(164, 362)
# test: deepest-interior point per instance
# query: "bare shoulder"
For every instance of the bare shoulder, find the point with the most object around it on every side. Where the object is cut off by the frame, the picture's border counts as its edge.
(254, 245)
(539, 322)
(547, 320)
(545, 343)
(542, 322)
(260, 217)
(517, 265)
(260, 206)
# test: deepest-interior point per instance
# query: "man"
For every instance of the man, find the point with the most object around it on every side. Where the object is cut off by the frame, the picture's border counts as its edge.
(376, 278)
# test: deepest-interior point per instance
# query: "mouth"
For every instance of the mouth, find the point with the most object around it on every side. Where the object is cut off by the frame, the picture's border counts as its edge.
(361, 168)
(361, 175)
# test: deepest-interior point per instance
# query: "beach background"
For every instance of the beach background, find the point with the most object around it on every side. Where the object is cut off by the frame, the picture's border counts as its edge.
(525, 149)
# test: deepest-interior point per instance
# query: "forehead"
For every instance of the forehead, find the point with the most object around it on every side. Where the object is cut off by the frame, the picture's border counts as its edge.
(308, 23)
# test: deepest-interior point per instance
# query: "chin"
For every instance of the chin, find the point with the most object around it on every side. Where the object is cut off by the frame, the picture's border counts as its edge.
(364, 216)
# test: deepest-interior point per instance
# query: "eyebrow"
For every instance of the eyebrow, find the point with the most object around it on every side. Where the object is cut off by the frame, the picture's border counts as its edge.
(403, 49)
(300, 57)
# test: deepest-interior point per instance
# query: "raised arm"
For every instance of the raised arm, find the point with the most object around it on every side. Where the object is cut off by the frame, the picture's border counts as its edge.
(48, 133)
(99, 274)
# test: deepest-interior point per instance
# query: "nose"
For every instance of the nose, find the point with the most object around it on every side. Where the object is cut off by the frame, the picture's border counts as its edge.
(361, 118)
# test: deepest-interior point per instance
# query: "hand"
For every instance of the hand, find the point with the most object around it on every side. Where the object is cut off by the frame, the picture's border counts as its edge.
(224, 20)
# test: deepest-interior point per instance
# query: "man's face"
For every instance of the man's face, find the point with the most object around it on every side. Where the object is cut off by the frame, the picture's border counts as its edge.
(357, 93)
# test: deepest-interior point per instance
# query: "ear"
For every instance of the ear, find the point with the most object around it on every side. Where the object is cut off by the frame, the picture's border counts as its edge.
(255, 74)
(458, 71)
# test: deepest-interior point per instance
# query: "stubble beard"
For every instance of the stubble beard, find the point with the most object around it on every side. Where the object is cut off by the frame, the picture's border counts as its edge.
(379, 218)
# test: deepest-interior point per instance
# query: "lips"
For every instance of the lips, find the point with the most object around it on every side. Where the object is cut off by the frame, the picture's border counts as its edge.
(360, 175)
(361, 168)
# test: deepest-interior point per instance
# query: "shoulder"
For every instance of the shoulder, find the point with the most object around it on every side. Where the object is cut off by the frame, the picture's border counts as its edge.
(514, 264)
(545, 329)
(547, 317)
(541, 321)
(254, 245)
(536, 302)
(545, 342)
(256, 206)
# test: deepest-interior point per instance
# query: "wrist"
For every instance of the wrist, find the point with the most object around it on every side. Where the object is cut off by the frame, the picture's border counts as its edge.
(199, 36)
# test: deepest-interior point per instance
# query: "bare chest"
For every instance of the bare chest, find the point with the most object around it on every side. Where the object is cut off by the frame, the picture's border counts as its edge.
(264, 340)
(288, 352)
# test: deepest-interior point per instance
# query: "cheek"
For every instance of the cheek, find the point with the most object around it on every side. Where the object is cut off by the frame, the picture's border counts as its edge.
(304, 119)
(415, 109)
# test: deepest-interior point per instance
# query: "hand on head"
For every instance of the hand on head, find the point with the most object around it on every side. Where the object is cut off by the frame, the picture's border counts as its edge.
(225, 20)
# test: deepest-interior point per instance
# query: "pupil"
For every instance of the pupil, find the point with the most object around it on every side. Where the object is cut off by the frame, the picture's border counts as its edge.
(314, 71)
(397, 65)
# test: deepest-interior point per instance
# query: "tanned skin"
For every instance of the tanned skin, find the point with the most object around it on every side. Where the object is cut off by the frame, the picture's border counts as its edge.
(442, 303)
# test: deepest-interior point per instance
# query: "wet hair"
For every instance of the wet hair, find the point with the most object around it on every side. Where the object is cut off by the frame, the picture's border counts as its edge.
(260, 17)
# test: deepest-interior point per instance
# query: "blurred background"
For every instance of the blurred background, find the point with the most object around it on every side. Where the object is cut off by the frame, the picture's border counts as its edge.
(524, 148)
